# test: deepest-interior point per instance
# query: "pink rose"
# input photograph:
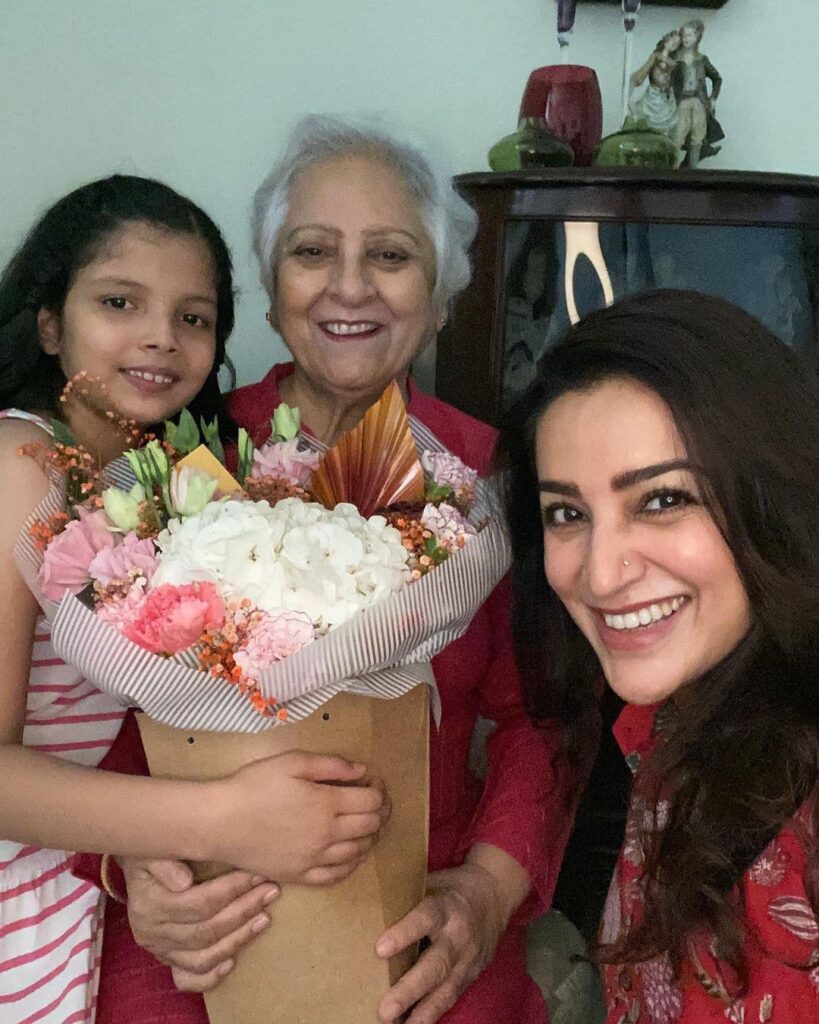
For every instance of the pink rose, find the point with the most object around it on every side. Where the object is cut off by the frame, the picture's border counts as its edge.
(69, 555)
(128, 560)
(272, 639)
(120, 612)
(286, 461)
(172, 618)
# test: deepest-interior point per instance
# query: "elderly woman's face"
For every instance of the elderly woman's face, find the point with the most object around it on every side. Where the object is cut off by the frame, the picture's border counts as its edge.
(355, 276)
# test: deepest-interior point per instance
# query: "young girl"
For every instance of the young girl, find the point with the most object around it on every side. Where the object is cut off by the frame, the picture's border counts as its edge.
(665, 473)
(128, 281)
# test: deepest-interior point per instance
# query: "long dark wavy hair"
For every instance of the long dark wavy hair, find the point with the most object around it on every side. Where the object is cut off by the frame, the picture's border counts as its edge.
(742, 755)
(67, 238)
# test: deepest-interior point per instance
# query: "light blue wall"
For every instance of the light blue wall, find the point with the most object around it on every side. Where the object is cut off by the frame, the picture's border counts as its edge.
(200, 92)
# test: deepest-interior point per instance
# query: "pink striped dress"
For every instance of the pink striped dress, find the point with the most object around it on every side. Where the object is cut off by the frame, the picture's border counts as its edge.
(50, 922)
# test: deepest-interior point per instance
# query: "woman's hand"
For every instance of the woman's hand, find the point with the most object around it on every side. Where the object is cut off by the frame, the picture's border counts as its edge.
(296, 817)
(464, 914)
(197, 930)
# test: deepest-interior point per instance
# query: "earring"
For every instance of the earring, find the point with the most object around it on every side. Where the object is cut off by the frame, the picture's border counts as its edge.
(442, 323)
(626, 562)
(267, 316)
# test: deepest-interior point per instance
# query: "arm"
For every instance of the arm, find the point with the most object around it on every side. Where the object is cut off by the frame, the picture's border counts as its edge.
(49, 802)
(642, 73)
(716, 79)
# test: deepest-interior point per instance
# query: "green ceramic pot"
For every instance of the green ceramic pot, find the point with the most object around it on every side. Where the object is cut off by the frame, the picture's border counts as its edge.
(637, 145)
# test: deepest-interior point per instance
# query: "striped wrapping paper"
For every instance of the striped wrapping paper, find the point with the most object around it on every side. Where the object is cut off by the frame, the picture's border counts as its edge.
(384, 651)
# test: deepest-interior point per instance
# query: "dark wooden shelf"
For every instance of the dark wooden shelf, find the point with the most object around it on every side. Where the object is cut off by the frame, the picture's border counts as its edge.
(711, 4)
(647, 195)
(640, 177)
(471, 350)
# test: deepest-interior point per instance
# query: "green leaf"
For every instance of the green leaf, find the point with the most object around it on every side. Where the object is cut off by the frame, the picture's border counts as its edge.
(434, 550)
(184, 436)
(62, 433)
(140, 469)
(437, 493)
(210, 432)
(245, 446)
(285, 423)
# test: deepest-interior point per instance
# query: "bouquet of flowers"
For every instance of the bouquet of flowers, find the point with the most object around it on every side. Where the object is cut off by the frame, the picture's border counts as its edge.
(222, 605)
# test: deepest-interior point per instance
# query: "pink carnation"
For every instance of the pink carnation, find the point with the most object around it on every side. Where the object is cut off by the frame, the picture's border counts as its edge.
(128, 560)
(172, 618)
(447, 470)
(447, 525)
(272, 639)
(120, 612)
(286, 461)
(68, 557)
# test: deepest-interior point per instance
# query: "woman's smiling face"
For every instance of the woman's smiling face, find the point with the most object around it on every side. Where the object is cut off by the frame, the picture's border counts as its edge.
(629, 546)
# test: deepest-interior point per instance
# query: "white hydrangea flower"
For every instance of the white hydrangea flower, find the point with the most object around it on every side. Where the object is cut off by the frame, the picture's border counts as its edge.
(327, 564)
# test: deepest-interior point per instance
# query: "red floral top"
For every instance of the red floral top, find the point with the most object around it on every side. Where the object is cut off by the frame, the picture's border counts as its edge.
(782, 933)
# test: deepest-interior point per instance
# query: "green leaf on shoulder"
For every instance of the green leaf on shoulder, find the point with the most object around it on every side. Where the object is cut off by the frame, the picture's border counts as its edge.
(62, 433)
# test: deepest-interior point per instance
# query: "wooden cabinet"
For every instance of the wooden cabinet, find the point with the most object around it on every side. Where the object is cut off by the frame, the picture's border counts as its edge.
(554, 240)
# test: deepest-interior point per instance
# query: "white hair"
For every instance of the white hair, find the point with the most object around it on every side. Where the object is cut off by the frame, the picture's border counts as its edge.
(449, 220)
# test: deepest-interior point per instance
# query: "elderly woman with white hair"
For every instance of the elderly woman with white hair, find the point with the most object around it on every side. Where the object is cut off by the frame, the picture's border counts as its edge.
(362, 246)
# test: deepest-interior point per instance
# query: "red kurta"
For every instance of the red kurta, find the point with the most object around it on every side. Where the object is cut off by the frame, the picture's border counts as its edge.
(782, 934)
(521, 808)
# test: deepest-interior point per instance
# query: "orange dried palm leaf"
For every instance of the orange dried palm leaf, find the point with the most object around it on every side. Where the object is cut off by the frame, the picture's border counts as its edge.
(375, 464)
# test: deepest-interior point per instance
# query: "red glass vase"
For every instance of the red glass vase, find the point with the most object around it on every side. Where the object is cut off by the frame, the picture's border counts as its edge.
(567, 97)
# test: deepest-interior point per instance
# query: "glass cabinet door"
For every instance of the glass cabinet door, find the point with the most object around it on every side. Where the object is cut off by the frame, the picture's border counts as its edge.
(556, 271)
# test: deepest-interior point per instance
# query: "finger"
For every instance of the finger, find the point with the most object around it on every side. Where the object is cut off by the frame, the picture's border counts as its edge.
(424, 920)
(188, 982)
(203, 935)
(427, 977)
(201, 902)
(329, 875)
(359, 800)
(355, 826)
(205, 960)
(325, 768)
(431, 1009)
(172, 874)
(385, 810)
(350, 850)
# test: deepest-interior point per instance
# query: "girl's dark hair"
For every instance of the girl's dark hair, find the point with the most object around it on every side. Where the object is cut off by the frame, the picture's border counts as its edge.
(68, 237)
(741, 753)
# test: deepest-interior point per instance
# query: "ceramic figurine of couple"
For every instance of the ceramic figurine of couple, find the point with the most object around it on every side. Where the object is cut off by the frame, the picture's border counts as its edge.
(676, 100)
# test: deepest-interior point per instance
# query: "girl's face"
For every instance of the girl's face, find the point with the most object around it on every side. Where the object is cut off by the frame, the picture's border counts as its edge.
(141, 318)
(629, 547)
(355, 276)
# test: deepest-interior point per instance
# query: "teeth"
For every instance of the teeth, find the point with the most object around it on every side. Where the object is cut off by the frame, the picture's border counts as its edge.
(344, 328)
(645, 616)
(144, 375)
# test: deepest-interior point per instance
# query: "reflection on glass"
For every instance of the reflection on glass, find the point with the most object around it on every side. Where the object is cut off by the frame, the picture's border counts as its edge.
(771, 272)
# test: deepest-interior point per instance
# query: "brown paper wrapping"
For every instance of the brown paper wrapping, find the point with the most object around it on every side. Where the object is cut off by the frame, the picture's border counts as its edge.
(316, 963)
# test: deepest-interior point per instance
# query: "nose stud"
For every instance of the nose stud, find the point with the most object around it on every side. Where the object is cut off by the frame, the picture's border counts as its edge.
(626, 562)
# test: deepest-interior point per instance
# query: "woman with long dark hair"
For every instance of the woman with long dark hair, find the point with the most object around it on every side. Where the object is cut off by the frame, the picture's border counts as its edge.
(663, 496)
